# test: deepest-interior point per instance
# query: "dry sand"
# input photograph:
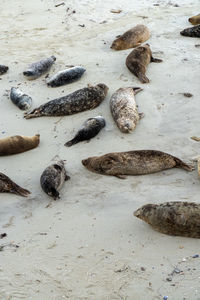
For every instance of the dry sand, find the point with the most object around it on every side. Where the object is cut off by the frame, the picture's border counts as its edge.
(88, 245)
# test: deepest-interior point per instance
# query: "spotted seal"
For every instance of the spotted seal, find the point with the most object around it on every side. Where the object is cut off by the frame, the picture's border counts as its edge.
(3, 69)
(173, 218)
(39, 68)
(66, 76)
(124, 109)
(139, 162)
(131, 38)
(53, 178)
(18, 144)
(191, 31)
(195, 20)
(78, 101)
(8, 186)
(138, 60)
(20, 99)
(90, 128)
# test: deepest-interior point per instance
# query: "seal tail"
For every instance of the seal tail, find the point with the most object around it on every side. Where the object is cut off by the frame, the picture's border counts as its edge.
(18, 190)
(143, 78)
(182, 165)
(72, 142)
(137, 90)
(33, 114)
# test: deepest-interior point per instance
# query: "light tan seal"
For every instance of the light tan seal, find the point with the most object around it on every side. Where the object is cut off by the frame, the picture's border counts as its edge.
(138, 60)
(139, 162)
(131, 38)
(18, 144)
(9, 186)
(174, 218)
(195, 20)
(124, 109)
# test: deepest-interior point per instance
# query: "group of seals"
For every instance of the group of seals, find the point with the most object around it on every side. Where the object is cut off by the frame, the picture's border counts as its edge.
(192, 31)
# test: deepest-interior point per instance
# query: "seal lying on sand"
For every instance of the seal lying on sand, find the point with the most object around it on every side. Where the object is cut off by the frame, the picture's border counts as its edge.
(124, 109)
(138, 60)
(89, 129)
(20, 99)
(80, 100)
(139, 162)
(38, 68)
(174, 218)
(131, 38)
(195, 20)
(8, 186)
(66, 76)
(53, 178)
(3, 69)
(192, 31)
(18, 144)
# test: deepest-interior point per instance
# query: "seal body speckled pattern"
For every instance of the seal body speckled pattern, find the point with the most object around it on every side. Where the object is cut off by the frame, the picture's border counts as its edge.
(66, 76)
(139, 162)
(174, 218)
(52, 179)
(80, 100)
(3, 69)
(39, 68)
(8, 186)
(20, 99)
(192, 31)
(124, 109)
(18, 144)
(195, 20)
(131, 38)
(89, 129)
(138, 60)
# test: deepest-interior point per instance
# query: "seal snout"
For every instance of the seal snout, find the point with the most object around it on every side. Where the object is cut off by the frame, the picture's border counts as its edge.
(85, 161)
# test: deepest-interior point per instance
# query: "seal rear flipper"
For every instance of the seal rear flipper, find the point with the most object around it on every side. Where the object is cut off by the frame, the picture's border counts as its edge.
(182, 165)
(33, 114)
(72, 142)
(137, 90)
(55, 194)
(156, 60)
(16, 189)
(143, 78)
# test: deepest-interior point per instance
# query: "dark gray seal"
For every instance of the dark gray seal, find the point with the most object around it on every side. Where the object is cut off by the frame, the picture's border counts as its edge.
(66, 76)
(138, 60)
(3, 69)
(191, 31)
(39, 68)
(20, 99)
(89, 129)
(80, 100)
(174, 218)
(8, 186)
(52, 179)
(139, 162)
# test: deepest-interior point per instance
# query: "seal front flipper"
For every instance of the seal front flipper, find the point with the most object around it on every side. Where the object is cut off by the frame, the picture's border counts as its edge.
(143, 78)
(141, 115)
(156, 60)
(121, 176)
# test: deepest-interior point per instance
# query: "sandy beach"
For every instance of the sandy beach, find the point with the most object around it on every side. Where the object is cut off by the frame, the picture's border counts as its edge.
(88, 244)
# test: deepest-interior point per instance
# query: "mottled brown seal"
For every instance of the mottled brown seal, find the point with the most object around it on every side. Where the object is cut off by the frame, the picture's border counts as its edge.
(138, 60)
(124, 109)
(139, 162)
(53, 178)
(191, 31)
(174, 218)
(78, 101)
(8, 186)
(131, 38)
(195, 20)
(18, 144)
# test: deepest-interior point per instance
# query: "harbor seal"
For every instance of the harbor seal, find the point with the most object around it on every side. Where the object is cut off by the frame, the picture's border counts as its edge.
(90, 128)
(39, 68)
(131, 38)
(66, 76)
(195, 20)
(124, 109)
(8, 186)
(3, 69)
(173, 218)
(78, 101)
(20, 99)
(18, 144)
(138, 60)
(139, 162)
(52, 179)
(191, 31)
